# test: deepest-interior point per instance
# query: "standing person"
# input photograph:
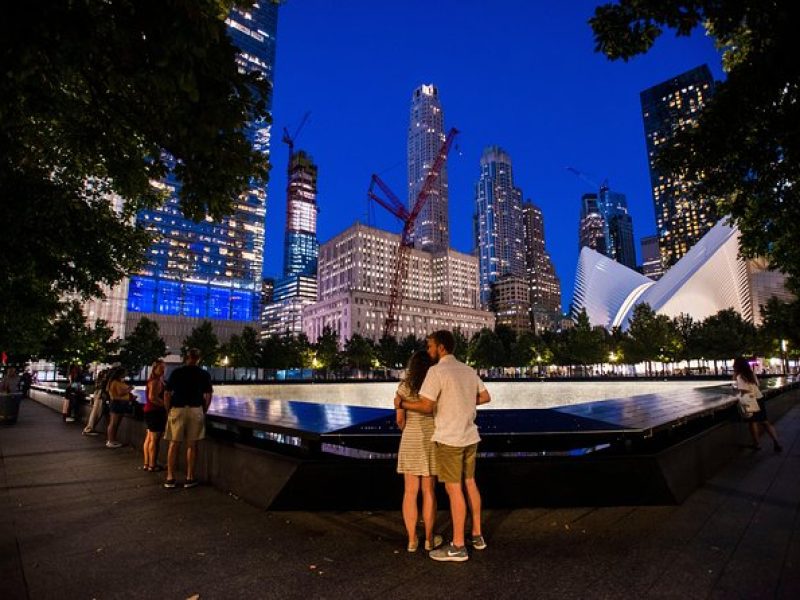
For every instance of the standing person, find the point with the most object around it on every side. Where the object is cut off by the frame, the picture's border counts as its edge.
(10, 383)
(72, 395)
(747, 383)
(187, 398)
(98, 399)
(155, 416)
(415, 459)
(121, 403)
(451, 391)
(26, 383)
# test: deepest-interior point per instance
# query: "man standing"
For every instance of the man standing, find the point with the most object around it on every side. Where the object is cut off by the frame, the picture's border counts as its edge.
(186, 398)
(452, 390)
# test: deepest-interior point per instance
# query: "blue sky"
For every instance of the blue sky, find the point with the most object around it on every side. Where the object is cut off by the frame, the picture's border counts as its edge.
(516, 73)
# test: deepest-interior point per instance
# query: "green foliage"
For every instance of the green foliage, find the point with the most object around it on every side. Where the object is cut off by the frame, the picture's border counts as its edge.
(204, 339)
(409, 345)
(387, 351)
(243, 350)
(359, 352)
(328, 354)
(486, 350)
(745, 151)
(726, 335)
(462, 345)
(523, 350)
(71, 340)
(586, 344)
(96, 101)
(649, 336)
(142, 346)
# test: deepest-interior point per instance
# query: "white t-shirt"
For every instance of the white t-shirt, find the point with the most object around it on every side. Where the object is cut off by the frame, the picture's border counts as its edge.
(454, 387)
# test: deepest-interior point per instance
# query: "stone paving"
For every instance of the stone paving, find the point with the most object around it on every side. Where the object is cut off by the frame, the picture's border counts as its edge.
(78, 520)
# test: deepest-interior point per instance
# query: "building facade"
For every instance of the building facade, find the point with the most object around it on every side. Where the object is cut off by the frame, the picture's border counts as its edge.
(619, 226)
(511, 303)
(540, 274)
(425, 138)
(682, 217)
(298, 287)
(211, 269)
(651, 258)
(355, 276)
(592, 225)
(498, 223)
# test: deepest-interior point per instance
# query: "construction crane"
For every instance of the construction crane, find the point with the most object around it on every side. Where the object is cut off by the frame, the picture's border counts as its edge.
(393, 204)
(289, 139)
(582, 175)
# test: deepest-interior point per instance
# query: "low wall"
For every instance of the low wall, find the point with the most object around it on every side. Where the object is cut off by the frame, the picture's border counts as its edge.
(290, 480)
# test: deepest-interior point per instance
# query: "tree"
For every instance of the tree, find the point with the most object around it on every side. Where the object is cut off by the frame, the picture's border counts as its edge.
(507, 338)
(142, 346)
(745, 151)
(462, 344)
(359, 352)
(409, 345)
(244, 350)
(96, 102)
(387, 352)
(648, 336)
(726, 335)
(204, 339)
(328, 354)
(523, 350)
(71, 340)
(486, 349)
(586, 344)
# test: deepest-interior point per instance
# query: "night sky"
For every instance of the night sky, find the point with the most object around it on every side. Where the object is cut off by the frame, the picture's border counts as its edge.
(522, 74)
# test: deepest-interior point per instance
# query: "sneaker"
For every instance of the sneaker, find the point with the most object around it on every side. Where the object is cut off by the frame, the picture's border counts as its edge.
(69, 420)
(450, 553)
(113, 445)
(412, 546)
(190, 483)
(437, 541)
(91, 433)
(170, 483)
(478, 542)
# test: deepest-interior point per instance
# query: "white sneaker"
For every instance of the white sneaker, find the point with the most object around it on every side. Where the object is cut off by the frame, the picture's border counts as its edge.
(113, 445)
(69, 420)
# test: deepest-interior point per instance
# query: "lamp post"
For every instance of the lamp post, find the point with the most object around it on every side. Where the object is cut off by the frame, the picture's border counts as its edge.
(784, 360)
(225, 362)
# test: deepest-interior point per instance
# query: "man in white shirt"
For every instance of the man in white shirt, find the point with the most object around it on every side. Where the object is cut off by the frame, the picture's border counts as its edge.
(452, 390)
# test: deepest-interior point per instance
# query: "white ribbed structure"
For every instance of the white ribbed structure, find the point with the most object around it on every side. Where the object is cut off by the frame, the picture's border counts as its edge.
(709, 278)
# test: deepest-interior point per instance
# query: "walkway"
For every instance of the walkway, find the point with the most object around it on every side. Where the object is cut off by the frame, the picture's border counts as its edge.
(80, 521)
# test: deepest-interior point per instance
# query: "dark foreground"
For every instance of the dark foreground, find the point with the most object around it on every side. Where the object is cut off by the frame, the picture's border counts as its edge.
(78, 520)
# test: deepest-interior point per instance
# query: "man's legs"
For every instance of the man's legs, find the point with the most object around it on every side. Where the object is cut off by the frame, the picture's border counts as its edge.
(172, 459)
(94, 415)
(191, 458)
(474, 498)
(458, 511)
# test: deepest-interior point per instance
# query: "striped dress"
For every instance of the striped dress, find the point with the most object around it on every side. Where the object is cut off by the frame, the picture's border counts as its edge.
(415, 456)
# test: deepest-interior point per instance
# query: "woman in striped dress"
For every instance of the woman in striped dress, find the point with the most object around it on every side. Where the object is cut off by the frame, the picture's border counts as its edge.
(415, 458)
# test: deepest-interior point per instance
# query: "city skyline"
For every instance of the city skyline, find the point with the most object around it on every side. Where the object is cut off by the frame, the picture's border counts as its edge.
(552, 103)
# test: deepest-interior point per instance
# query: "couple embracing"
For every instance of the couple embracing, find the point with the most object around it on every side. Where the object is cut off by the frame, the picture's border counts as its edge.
(436, 408)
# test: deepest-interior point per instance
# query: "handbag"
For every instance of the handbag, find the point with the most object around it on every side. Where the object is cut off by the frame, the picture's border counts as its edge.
(748, 402)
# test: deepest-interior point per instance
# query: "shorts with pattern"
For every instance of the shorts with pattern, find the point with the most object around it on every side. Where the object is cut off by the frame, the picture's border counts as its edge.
(453, 463)
(185, 424)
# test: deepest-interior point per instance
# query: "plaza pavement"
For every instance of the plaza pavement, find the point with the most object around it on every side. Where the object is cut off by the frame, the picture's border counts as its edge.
(78, 520)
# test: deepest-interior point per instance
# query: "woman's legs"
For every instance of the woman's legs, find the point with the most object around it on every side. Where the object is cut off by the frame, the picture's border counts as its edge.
(773, 434)
(147, 448)
(429, 506)
(754, 432)
(113, 425)
(410, 512)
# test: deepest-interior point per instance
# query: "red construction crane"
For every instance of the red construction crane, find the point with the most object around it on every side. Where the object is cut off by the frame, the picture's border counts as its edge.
(398, 209)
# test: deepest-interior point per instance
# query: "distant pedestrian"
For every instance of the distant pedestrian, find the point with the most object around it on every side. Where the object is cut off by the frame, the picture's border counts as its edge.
(187, 398)
(415, 458)
(747, 384)
(99, 398)
(155, 416)
(122, 400)
(74, 395)
(26, 381)
(452, 390)
(10, 382)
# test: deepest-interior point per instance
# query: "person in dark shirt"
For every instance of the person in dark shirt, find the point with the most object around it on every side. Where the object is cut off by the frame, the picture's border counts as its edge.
(186, 398)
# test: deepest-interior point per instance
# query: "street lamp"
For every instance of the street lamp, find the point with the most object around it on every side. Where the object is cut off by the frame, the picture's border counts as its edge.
(784, 346)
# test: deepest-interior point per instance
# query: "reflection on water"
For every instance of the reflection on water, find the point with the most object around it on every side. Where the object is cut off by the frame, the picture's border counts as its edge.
(527, 394)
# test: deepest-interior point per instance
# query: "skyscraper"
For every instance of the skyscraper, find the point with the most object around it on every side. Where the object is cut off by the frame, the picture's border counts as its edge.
(619, 226)
(543, 284)
(651, 258)
(682, 217)
(298, 287)
(425, 138)
(592, 226)
(211, 270)
(498, 222)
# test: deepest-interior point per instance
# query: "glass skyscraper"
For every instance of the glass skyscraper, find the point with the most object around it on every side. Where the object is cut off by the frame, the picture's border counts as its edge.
(425, 138)
(682, 217)
(619, 226)
(499, 233)
(211, 270)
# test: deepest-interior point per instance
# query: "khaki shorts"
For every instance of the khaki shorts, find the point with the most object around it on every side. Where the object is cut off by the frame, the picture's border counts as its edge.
(453, 463)
(185, 424)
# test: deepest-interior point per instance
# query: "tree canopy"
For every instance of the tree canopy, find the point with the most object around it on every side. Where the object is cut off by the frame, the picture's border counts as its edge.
(745, 150)
(142, 346)
(98, 100)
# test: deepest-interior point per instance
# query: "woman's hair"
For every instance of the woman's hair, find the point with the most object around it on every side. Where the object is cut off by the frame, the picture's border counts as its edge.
(417, 368)
(741, 367)
(119, 374)
(157, 367)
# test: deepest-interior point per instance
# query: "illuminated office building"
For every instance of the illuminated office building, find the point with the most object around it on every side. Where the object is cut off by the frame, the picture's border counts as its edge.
(298, 288)
(425, 138)
(540, 274)
(682, 217)
(498, 222)
(211, 269)
(592, 225)
(355, 277)
(651, 258)
(619, 226)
